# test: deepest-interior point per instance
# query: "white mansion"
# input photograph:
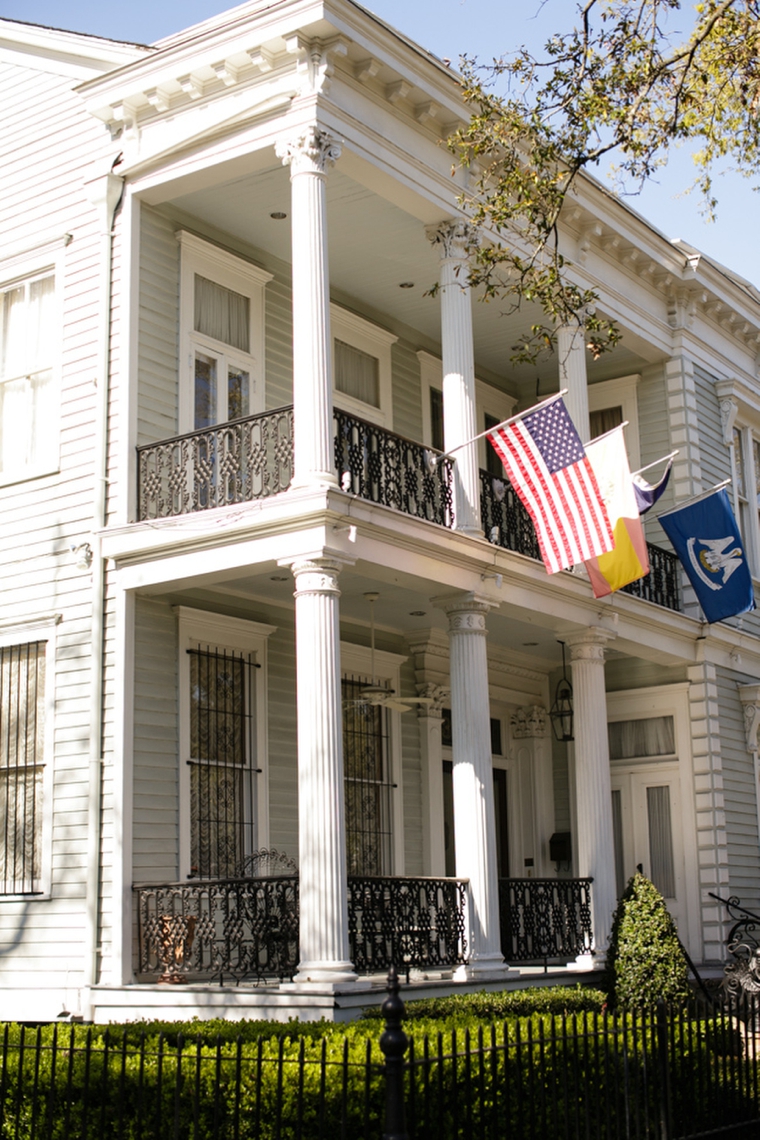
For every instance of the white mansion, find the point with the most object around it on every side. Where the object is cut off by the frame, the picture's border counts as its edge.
(275, 688)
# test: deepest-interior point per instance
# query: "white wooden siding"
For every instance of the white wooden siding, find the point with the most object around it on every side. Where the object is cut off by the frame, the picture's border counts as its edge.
(740, 794)
(158, 328)
(46, 144)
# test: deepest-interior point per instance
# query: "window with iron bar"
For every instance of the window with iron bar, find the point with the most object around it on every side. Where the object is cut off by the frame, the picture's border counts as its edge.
(22, 731)
(368, 789)
(222, 755)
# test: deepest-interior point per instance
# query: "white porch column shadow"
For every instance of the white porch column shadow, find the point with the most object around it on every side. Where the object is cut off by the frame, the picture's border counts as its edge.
(571, 350)
(474, 817)
(310, 156)
(594, 843)
(454, 240)
(321, 805)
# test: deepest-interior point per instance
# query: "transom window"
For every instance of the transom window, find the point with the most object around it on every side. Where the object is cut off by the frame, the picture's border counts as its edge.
(27, 404)
(222, 333)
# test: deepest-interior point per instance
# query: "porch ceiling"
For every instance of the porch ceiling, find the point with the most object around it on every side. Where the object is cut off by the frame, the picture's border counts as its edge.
(374, 246)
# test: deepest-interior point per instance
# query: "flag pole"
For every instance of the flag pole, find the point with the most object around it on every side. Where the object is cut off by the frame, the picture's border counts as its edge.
(693, 499)
(504, 423)
(648, 467)
(598, 438)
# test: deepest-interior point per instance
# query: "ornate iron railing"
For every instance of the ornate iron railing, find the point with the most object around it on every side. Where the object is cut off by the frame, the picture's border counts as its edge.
(227, 928)
(405, 923)
(544, 919)
(661, 584)
(742, 970)
(385, 468)
(507, 524)
(236, 462)
(505, 520)
(248, 928)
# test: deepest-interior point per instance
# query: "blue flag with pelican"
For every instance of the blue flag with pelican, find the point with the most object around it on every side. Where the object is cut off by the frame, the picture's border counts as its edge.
(706, 538)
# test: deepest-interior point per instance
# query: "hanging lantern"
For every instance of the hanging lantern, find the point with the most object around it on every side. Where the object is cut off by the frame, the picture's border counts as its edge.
(561, 712)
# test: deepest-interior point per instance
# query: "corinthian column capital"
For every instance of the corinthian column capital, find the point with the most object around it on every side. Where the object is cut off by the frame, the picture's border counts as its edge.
(314, 151)
(589, 644)
(455, 239)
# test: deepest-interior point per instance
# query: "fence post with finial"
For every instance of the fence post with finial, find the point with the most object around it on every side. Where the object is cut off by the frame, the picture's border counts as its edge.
(393, 1044)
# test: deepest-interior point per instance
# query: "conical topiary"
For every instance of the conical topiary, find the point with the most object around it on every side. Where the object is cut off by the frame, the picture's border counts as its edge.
(645, 961)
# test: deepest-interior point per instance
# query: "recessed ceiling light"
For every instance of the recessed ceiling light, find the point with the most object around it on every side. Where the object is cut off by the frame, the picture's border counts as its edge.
(417, 613)
(529, 643)
(406, 285)
(279, 578)
(278, 215)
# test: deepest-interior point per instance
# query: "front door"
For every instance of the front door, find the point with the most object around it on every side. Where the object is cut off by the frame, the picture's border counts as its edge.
(646, 815)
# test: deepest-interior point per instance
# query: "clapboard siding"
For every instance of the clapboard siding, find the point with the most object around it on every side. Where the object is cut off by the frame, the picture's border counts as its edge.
(715, 456)
(407, 404)
(411, 769)
(739, 793)
(157, 408)
(47, 141)
(278, 309)
(654, 438)
(155, 834)
(283, 743)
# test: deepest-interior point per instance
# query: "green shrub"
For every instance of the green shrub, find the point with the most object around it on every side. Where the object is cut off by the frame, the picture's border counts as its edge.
(481, 1007)
(645, 961)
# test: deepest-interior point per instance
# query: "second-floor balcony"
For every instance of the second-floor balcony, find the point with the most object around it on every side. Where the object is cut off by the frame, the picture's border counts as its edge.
(252, 458)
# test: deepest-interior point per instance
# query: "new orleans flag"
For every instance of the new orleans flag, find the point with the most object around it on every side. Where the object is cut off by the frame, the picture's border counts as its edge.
(629, 560)
(706, 539)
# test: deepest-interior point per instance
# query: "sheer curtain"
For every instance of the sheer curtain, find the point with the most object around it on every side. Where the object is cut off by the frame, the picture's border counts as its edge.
(27, 411)
(651, 736)
(222, 314)
(661, 841)
(357, 374)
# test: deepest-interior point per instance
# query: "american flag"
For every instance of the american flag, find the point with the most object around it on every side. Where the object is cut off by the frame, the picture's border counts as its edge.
(546, 464)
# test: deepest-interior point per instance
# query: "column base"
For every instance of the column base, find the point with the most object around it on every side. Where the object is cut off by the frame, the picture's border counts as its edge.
(484, 970)
(318, 975)
(315, 481)
(588, 961)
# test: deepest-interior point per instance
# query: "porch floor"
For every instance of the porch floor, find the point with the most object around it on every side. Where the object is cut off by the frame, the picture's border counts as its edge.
(277, 1002)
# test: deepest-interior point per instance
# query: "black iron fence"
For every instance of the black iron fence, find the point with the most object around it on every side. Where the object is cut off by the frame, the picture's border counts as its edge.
(655, 1075)
(247, 928)
(545, 919)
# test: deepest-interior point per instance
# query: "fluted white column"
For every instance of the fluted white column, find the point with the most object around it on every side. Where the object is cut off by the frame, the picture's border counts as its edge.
(309, 157)
(321, 804)
(571, 350)
(474, 817)
(454, 241)
(595, 844)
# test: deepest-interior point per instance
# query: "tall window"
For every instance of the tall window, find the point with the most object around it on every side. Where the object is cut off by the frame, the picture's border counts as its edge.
(362, 370)
(368, 788)
(27, 406)
(222, 335)
(22, 734)
(221, 745)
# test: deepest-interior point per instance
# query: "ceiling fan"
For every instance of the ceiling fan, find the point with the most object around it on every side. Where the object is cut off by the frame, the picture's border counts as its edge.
(376, 695)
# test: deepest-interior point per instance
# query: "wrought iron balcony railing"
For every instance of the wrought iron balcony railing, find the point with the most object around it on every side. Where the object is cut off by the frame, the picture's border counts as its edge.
(543, 919)
(252, 458)
(507, 524)
(248, 928)
(385, 468)
(235, 462)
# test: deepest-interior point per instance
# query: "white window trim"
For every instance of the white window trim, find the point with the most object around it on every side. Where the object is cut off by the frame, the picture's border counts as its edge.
(740, 410)
(41, 629)
(488, 401)
(200, 627)
(623, 393)
(232, 272)
(45, 259)
(370, 338)
(357, 659)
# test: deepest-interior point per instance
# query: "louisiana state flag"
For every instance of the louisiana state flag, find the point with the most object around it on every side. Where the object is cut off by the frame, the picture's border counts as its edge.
(629, 560)
(706, 538)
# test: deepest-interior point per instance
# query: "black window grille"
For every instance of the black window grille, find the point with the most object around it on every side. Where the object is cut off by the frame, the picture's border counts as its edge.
(367, 785)
(222, 762)
(22, 730)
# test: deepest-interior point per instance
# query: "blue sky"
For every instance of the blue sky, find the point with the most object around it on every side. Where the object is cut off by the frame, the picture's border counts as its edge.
(450, 28)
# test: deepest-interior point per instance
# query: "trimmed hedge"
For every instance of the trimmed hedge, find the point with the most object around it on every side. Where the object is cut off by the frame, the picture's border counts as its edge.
(645, 960)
